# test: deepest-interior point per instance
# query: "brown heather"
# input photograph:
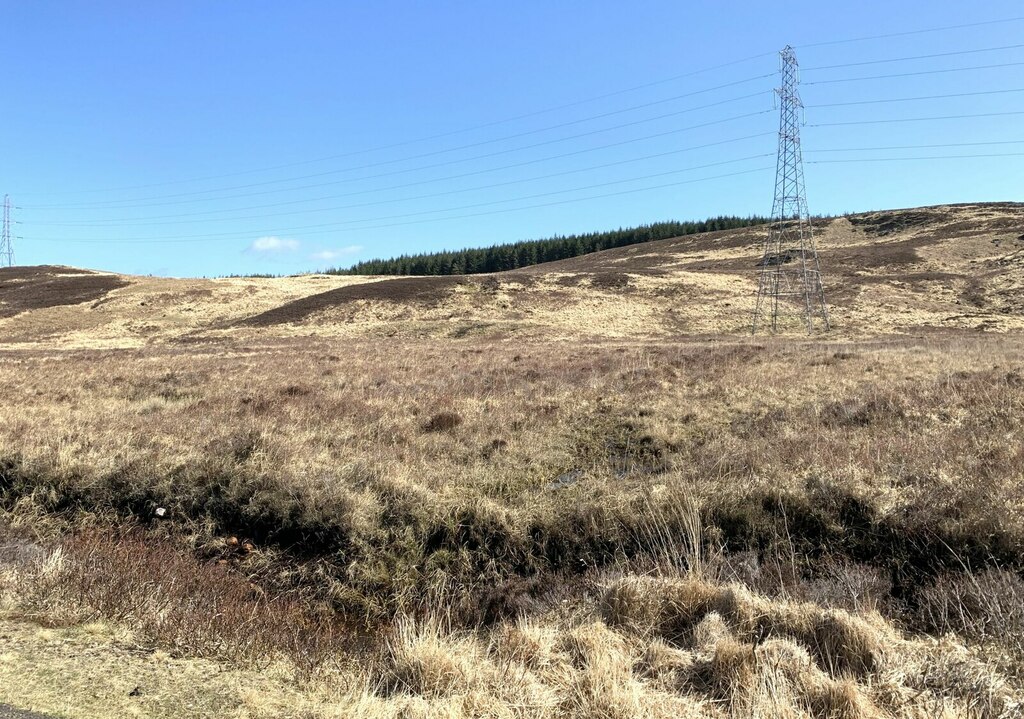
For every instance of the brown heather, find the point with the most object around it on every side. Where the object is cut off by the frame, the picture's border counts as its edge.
(520, 526)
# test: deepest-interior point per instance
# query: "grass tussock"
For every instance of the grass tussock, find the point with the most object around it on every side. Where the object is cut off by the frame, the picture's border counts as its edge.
(652, 646)
(163, 595)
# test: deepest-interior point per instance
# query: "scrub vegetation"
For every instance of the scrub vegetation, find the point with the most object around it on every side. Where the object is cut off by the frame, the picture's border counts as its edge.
(626, 531)
(256, 521)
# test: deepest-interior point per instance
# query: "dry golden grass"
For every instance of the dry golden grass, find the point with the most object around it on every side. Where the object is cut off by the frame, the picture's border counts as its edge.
(96, 670)
(906, 271)
(807, 489)
(538, 497)
(656, 647)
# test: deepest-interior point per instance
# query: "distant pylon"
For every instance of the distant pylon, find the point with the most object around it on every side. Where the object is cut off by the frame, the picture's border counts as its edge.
(6, 239)
(790, 283)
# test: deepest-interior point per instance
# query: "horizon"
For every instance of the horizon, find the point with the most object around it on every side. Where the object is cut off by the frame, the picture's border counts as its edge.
(342, 270)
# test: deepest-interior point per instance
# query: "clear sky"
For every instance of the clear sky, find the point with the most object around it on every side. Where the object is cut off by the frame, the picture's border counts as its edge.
(194, 138)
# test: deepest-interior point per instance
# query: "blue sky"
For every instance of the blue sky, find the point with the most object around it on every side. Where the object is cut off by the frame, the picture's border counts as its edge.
(202, 138)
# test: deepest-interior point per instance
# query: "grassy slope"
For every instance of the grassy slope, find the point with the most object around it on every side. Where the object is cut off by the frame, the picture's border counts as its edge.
(909, 271)
(411, 489)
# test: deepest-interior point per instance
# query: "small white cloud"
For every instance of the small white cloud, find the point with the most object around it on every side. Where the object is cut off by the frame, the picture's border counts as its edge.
(328, 255)
(273, 244)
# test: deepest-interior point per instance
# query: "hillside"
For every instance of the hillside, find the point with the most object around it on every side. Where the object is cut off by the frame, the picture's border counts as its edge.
(907, 271)
(573, 490)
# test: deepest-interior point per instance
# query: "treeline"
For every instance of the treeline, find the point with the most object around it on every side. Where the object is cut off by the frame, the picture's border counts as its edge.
(532, 252)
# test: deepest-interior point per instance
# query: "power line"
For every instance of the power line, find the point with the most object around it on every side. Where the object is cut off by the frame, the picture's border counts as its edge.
(916, 147)
(468, 174)
(913, 74)
(462, 207)
(920, 97)
(524, 163)
(912, 32)
(913, 57)
(535, 113)
(472, 144)
(915, 119)
(147, 222)
(900, 99)
(133, 222)
(633, 123)
(922, 157)
(441, 164)
(438, 136)
(436, 219)
(536, 131)
(120, 204)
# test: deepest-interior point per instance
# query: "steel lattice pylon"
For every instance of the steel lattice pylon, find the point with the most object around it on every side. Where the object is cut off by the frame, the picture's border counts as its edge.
(790, 284)
(6, 241)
